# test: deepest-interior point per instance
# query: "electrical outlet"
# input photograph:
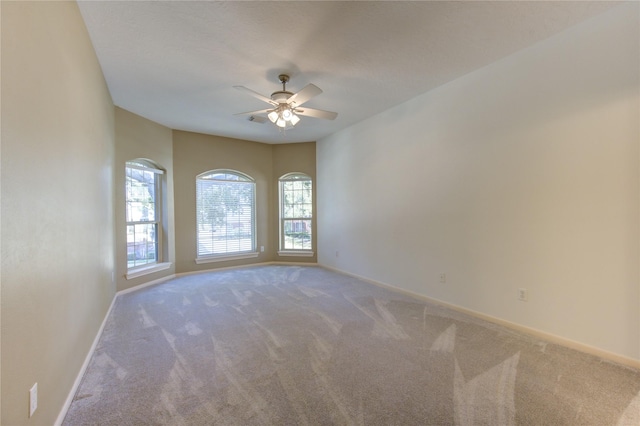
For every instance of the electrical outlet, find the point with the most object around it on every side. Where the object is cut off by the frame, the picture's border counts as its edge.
(443, 278)
(523, 294)
(33, 399)
(261, 248)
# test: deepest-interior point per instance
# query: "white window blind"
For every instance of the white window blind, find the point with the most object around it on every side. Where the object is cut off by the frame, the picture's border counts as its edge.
(225, 205)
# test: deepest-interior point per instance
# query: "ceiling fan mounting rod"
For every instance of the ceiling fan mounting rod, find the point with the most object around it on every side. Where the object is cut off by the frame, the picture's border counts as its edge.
(284, 79)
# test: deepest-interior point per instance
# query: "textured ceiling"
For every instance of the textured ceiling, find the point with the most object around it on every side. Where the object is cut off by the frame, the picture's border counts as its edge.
(176, 62)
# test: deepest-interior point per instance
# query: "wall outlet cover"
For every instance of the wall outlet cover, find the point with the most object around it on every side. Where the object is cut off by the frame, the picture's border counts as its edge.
(523, 294)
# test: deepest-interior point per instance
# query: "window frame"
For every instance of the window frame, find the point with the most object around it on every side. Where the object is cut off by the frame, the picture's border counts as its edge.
(155, 265)
(227, 255)
(283, 251)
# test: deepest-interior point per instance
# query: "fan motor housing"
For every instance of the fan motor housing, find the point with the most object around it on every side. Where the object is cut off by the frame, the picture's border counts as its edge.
(281, 96)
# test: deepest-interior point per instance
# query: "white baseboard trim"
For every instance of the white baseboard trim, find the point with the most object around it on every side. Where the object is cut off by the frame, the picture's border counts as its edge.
(543, 335)
(251, 265)
(278, 262)
(146, 270)
(204, 271)
(143, 285)
(83, 369)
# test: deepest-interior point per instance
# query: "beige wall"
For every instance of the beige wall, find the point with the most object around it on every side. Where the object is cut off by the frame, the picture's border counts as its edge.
(195, 153)
(57, 211)
(524, 174)
(137, 137)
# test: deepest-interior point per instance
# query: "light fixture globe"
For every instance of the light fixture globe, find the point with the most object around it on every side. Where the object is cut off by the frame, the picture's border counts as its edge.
(283, 115)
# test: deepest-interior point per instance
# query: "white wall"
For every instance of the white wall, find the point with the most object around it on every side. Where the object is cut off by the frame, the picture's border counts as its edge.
(523, 174)
(57, 204)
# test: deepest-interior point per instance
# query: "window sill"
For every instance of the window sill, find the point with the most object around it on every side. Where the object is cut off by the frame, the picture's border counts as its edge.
(297, 253)
(225, 257)
(145, 270)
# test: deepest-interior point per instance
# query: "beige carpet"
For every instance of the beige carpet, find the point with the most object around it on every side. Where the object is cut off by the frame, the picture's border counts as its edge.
(284, 345)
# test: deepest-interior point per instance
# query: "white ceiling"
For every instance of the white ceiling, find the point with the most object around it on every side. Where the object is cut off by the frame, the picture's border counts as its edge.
(176, 62)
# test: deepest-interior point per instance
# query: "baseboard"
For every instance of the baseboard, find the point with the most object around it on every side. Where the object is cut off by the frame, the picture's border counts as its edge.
(280, 262)
(143, 285)
(251, 265)
(83, 369)
(542, 335)
(205, 271)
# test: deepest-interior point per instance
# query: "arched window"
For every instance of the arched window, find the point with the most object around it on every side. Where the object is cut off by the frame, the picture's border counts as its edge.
(296, 214)
(225, 208)
(143, 213)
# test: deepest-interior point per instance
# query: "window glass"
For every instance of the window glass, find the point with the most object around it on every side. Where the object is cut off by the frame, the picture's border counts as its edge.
(225, 206)
(142, 187)
(296, 207)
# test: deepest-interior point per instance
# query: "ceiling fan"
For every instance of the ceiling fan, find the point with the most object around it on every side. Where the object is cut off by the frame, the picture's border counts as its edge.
(287, 106)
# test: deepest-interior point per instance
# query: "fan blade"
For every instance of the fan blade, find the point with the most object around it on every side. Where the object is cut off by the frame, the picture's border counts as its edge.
(317, 113)
(256, 95)
(307, 92)
(260, 111)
